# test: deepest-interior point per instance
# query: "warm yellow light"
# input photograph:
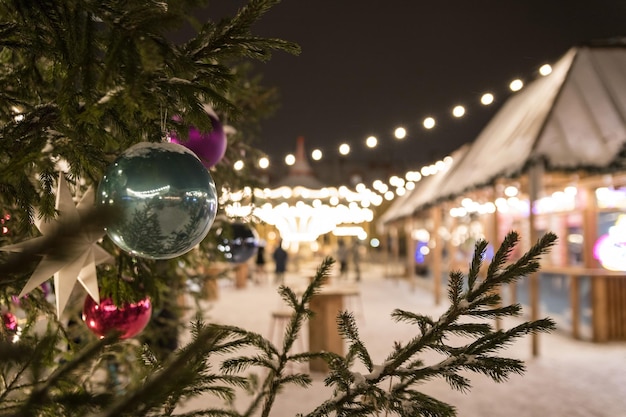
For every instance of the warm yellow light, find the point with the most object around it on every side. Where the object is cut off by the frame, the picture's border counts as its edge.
(290, 159)
(429, 122)
(264, 162)
(389, 195)
(413, 176)
(458, 111)
(487, 99)
(371, 142)
(344, 149)
(316, 154)
(238, 165)
(396, 181)
(545, 69)
(571, 190)
(410, 185)
(400, 133)
(516, 85)
(511, 191)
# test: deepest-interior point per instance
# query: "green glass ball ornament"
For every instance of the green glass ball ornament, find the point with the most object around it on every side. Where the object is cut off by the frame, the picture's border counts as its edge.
(164, 199)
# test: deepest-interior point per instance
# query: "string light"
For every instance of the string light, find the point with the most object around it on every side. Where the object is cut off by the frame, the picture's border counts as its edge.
(429, 122)
(400, 133)
(316, 154)
(238, 165)
(487, 99)
(545, 69)
(516, 85)
(458, 111)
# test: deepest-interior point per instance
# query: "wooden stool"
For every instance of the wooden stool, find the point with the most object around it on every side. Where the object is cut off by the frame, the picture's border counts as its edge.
(280, 320)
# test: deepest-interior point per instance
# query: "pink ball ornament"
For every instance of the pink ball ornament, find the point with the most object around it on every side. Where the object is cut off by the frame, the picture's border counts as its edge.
(10, 322)
(209, 147)
(129, 319)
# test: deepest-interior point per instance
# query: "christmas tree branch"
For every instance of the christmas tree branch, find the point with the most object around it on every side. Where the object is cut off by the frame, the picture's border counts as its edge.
(40, 396)
(474, 356)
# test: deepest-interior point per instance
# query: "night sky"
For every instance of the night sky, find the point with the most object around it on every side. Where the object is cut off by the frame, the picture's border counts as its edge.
(367, 67)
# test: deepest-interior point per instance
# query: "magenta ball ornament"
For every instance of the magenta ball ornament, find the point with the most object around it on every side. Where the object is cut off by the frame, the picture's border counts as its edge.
(10, 322)
(210, 147)
(128, 319)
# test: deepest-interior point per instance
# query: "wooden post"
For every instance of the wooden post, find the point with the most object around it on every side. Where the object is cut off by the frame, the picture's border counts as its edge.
(437, 254)
(534, 186)
(323, 332)
(241, 275)
(599, 303)
(494, 227)
(410, 252)
(574, 296)
(598, 283)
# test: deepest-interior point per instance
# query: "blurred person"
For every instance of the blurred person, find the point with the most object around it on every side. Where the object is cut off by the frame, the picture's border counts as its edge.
(280, 260)
(342, 257)
(356, 259)
(259, 272)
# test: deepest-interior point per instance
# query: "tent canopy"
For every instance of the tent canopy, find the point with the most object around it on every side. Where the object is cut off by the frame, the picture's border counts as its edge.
(572, 119)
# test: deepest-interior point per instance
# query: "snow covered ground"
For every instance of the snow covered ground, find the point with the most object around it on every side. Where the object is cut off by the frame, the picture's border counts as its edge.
(569, 377)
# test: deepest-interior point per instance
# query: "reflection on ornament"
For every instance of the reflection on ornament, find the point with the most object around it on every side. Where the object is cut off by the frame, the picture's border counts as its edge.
(210, 147)
(105, 317)
(166, 199)
(81, 252)
(610, 249)
(238, 242)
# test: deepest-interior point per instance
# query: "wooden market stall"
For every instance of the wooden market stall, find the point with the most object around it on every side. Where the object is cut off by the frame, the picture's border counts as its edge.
(551, 159)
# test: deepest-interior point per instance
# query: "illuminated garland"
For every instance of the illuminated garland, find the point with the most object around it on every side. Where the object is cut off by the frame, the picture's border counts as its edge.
(428, 122)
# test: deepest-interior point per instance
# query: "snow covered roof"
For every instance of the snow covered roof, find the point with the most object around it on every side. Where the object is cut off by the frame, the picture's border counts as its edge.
(425, 191)
(572, 119)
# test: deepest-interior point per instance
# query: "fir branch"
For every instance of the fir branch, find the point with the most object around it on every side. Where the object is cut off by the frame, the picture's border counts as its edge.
(470, 329)
(474, 356)
(513, 310)
(349, 330)
(176, 371)
(477, 261)
(415, 403)
(526, 265)
(40, 396)
(503, 253)
(455, 286)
